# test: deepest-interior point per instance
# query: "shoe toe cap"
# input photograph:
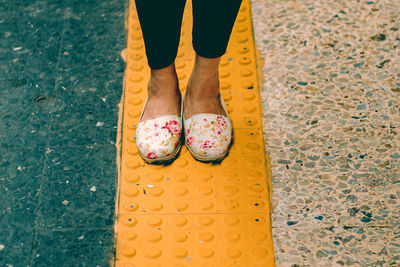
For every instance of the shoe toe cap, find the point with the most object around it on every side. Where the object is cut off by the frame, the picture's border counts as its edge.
(158, 139)
(208, 135)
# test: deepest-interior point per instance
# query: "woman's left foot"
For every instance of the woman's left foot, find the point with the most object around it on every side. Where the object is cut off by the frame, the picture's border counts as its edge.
(208, 129)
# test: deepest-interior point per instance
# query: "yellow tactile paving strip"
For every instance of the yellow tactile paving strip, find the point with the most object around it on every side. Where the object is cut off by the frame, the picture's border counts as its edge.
(191, 213)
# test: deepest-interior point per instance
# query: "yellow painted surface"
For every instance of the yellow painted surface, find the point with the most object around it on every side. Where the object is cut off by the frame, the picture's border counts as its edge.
(191, 213)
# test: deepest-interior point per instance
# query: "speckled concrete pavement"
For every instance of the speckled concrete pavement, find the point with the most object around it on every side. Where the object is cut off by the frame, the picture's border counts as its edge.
(331, 99)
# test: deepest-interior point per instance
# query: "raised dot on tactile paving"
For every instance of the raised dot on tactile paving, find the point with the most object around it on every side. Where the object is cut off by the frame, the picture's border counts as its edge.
(137, 67)
(233, 236)
(137, 46)
(245, 61)
(137, 35)
(230, 174)
(155, 177)
(250, 121)
(260, 253)
(180, 191)
(242, 28)
(179, 221)
(133, 164)
(253, 160)
(135, 90)
(206, 205)
(128, 251)
(252, 134)
(225, 85)
(224, 73)
(134, 113)
(181, 205)
(179, 252)
(258, 235)
(246, 72)
(206, 237)
(129, 235)
(136, 57)
(155, 206)
(231, 204)
(257, 204)
(231, 220)
(180, 64)
(206, 177)
(206, 252)
(128, 220)
(131, 205)
(153, 236)
(132, 150)
(132, 177)
(205, 190)
(131, 190)
(180, 237)
(255, 188)
(230, 190)
(181, 76)
(181, 177)
(233, 253)
(181, 55)
(257, 220)
(248, 85)
(135, 101)
(249, 109)
(154, 221)
(224, 62)
(253, 146)
(227, 97)
(155, 191)
(243, 50)
(131, 126)
(242, 39)
(153, 253)
(247, 95)
(206, 220)
(181, 162)
(242, 18)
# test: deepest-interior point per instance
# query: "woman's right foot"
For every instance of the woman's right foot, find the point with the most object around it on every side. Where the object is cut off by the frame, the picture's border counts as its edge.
(158, 135)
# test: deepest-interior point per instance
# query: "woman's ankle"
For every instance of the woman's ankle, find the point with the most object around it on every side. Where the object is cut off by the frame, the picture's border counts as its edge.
(163, 82)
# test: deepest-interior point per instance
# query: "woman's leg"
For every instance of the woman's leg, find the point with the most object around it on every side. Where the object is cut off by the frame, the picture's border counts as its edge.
(212, 26)
(161, 22)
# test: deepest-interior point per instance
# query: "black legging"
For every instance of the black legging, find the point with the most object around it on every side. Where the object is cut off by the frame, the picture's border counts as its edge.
(161, 22)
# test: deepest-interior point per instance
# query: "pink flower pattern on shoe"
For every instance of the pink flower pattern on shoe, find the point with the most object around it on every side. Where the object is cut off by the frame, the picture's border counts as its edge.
(208, 134)
(173, 126)
(159, 137)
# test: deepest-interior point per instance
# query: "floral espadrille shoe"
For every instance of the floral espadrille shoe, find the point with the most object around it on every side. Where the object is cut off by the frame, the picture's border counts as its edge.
(208, 136)
(159, 140)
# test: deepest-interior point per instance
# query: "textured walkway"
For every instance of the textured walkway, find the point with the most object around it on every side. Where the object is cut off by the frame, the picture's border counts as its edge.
(191, 213)
(332, 121)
